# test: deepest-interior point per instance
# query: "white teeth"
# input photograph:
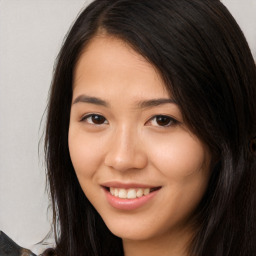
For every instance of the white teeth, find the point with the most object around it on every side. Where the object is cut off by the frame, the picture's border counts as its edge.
(116, 192)
(112, 191)
(122, 193)
(139, 192)
(129, 193)
(146, 191)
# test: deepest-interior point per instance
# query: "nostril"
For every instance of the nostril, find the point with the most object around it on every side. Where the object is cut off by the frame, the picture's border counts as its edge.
(124, 162)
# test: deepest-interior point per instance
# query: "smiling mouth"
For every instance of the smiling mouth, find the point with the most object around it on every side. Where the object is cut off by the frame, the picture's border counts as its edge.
(130, 193)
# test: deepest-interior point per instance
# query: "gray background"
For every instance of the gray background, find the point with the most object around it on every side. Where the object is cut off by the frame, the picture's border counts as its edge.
(31, 33)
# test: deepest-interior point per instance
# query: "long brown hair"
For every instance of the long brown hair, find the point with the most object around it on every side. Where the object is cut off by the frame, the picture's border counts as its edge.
(203, 57)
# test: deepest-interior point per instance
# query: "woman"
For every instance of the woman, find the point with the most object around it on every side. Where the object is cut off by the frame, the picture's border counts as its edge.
(150, 137)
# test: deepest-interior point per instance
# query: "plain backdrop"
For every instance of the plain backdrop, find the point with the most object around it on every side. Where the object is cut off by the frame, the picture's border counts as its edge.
(31, 33)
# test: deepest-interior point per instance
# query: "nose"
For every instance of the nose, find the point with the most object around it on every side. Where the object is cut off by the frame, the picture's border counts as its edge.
(126, 151)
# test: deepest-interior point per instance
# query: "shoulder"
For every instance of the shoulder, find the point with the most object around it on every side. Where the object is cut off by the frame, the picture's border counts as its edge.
(9, 247)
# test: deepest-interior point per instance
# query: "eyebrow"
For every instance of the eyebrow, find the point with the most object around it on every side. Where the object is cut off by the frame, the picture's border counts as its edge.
(156, 102)
(141, 104)
(88, 99)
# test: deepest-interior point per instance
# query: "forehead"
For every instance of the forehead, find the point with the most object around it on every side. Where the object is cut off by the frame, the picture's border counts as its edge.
(109, 63)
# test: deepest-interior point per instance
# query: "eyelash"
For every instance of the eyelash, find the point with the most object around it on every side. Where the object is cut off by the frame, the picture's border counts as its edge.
(86, 118)
(102, 120)
(170, 120)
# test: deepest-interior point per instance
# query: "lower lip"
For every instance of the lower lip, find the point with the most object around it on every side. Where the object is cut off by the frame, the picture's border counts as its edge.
(128, 204)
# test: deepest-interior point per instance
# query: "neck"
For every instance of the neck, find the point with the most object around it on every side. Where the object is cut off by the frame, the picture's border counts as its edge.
(166, 245)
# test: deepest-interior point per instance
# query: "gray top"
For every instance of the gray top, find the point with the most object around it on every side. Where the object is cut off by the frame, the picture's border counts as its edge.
(9, 248)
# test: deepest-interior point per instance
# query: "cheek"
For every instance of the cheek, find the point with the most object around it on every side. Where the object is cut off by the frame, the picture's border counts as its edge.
(179, 156)
(84, 152)
(183, 162)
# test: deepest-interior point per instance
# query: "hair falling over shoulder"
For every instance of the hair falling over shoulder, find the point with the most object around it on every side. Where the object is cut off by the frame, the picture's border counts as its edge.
(204, 59)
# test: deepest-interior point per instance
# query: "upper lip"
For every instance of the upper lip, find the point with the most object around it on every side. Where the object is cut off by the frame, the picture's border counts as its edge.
(117, 184)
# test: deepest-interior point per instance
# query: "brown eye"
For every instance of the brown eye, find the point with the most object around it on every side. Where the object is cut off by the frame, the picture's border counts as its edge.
(162, 120)
(95, 119)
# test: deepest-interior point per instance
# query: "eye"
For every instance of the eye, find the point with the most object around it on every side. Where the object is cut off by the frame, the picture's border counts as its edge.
(94, 119)
(162, 120)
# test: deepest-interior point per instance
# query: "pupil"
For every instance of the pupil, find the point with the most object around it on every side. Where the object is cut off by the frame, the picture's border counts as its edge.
(163, 120)
(98, 119)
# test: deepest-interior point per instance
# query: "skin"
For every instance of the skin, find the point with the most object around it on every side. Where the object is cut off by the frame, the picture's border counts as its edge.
(131, 145)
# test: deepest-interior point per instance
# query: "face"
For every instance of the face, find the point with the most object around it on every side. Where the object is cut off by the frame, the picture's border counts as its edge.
(135, 158)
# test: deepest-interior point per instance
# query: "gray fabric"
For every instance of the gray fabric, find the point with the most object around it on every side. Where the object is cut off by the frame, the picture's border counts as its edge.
(9, 248)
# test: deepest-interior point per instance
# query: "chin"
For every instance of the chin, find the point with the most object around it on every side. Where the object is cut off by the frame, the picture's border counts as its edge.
(131, 234)
(135, 231)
